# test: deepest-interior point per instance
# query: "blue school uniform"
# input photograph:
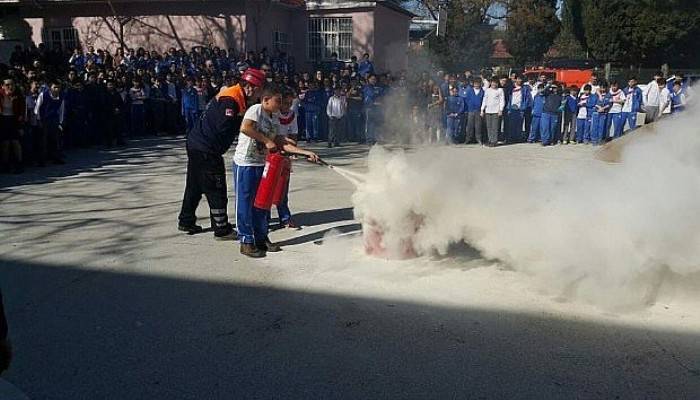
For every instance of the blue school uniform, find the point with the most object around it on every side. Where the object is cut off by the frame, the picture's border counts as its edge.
(370, 95)
(516, 113)
(631, 116)
(190, 106)
(583, 120)
(312, 102)
(537, 108)
(599, 119)
(677, 102)
(453, 108)
(472, 101)
(463, 94)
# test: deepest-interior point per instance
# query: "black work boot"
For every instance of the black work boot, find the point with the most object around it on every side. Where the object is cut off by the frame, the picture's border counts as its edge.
(250, 250)
(226, 235)
(190, 229)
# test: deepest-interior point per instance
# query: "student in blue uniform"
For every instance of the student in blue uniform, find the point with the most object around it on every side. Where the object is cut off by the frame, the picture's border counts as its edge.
(519, 101)
(633, 103)
(473, 101)
(678, 98)
(259, 135)
(190, 103)
(599, 119)
(463, 93)
(550, 115)
(615, 116)
(584, 110)
(453, 109)
(372, 96)
(313, 98)
(537, 107)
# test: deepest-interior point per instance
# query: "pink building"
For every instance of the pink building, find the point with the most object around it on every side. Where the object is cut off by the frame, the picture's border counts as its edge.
(310, 31)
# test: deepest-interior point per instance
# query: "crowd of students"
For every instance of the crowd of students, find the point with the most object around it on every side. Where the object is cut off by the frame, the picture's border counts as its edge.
(52, 100)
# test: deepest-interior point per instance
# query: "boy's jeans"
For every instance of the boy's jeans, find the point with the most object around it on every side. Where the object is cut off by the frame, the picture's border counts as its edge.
(372, 117)
(283, 211)
(250, 221)
(190, 118)
(452, 128)
(312, 122)
(583, 133)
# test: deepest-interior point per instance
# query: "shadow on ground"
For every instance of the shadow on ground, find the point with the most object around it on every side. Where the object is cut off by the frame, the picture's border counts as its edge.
(107, 335)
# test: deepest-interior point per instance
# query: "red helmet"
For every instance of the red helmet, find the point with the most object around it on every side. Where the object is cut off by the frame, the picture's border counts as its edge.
(254, 76)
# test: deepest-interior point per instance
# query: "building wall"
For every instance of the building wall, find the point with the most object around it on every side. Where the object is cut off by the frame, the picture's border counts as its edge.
(151, 24)
(363, 21)
(391, 40)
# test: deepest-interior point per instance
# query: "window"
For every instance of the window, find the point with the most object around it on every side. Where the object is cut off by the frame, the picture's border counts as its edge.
(65, 37)
(281, 42)
(328, 36)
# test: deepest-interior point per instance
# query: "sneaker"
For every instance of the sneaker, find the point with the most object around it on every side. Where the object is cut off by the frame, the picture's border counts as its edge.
(292, 225)
(270, 247)
(190, 229)
(249, 250)
(230, 235)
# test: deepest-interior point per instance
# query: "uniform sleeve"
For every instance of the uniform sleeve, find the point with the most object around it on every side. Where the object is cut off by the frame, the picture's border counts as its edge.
(231, 109)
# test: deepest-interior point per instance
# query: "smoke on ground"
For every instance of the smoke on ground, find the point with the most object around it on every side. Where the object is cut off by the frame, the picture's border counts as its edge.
(610, 234)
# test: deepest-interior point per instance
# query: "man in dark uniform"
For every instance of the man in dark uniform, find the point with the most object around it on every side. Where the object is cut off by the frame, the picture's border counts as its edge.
(207, 142)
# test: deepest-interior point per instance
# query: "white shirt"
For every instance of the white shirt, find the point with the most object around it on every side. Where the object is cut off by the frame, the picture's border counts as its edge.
(583, 104)
(336, 107)
(517, 96)
(616, 108)
(652, 95)
(494, 101)
(665, 100)
(288, 123)
(248, 152)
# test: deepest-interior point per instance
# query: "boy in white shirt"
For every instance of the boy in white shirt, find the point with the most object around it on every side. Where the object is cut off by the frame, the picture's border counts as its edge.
(615, 119)
(492, 110)
(259, 135)
(336, 109)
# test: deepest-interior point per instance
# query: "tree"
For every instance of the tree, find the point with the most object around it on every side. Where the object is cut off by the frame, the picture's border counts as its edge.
(642, 32)
(568, 42)
(532, 26)
(468, 41)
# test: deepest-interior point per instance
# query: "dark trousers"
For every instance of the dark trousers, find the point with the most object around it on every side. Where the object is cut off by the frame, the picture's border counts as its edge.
(50, 142)
(172, 117)
(528, 120)
(206, 175)
(475, 127)
(335, 130)
(569, 127)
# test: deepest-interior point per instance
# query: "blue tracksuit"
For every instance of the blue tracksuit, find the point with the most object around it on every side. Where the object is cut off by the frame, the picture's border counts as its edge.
(583, 125)
(251, 222)
(549, 122)
(365, 68)
(190, 106)
(677, 102)
(453, 108)
(636, 95)
(370, 95)
(516, 112)
(313, 102)
(537, 107)
(599, 120)
(464, 94)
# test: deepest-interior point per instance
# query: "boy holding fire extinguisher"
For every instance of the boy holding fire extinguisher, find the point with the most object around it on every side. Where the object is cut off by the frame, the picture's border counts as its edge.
(258, 136)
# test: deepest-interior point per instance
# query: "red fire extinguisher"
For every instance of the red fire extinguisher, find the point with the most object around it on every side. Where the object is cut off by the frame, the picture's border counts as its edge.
(271, 179)
(281, 186)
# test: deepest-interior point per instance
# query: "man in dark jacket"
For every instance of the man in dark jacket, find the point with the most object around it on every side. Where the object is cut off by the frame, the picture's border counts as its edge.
(211, 137)
(5, 349)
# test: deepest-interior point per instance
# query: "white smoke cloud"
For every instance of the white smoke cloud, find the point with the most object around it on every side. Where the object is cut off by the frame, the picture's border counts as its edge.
(609, 234)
